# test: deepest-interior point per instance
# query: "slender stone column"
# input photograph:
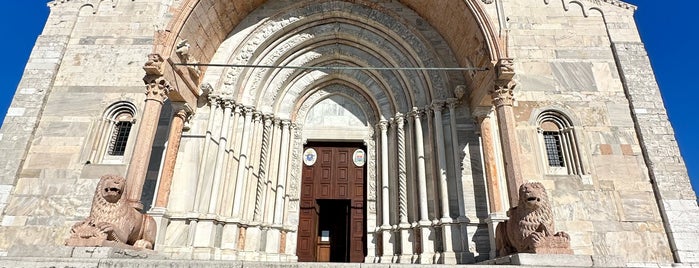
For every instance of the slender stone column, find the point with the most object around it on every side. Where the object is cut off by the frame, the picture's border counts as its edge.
(421, 177)
(503, 101)
(451, 103)
(403, 225)
(157, 89)
(464, 256)
(182, 113)
(241, 174)
(220, 157)
(491, 171)
(201, 180)
(448, 249)
(387, 250)
(281, 183)
(437, 107)
(261, 194)
(425, 225)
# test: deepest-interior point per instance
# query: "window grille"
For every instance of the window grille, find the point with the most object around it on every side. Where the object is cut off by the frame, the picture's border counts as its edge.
(119, 138)
(554, 151)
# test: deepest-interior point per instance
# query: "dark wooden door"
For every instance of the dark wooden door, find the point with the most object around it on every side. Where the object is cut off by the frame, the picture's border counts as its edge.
(333, 176)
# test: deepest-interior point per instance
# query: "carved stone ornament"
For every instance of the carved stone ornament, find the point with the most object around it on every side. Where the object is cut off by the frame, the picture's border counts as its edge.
(488, 1)
(505, 69)
(113, 222)
(154, 65)
(530, 227)
(182, 51)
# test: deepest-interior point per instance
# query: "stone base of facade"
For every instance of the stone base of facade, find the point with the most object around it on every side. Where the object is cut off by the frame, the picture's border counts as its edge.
(556, 260)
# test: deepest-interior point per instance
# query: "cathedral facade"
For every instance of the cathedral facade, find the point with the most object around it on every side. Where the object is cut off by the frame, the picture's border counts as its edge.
(391, 131)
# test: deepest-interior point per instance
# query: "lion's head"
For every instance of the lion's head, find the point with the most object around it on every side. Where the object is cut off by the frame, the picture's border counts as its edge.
(109, 202)
(111, 188)
(532, 196)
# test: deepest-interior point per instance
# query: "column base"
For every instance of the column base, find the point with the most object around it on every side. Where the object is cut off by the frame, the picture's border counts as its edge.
(273, 242)
(387, 241)
(493, 220)
(428, 254)
(161, 221)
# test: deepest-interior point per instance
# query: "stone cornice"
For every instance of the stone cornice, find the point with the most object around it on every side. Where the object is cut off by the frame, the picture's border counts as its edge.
(617, 3)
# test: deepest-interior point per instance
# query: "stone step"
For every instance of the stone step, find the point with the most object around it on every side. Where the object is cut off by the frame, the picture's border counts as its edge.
(37, 262)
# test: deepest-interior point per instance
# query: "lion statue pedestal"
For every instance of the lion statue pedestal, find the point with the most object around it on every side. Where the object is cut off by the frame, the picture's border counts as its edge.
(530, 227)
(113, 222)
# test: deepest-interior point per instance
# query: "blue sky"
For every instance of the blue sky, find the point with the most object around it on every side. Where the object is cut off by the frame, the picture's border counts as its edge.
(668, 28)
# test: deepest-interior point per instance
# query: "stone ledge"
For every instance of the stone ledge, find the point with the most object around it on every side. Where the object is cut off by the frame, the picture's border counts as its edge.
(556, 260)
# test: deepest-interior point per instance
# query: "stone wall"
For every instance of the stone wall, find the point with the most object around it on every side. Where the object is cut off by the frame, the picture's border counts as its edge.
(88, 57)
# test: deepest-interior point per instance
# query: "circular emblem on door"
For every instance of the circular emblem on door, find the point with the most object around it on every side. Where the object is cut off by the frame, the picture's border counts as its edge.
(359, 157)
(309, 157)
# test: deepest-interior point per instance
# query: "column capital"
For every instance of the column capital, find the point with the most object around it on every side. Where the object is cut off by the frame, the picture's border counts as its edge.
(157, 88)
(257, 116)
(268, 119)
(399, 119)
(182, 110)
(503, 93)
(382, 125)
(285, 123)
(437, 105)
(416, 113)
(227, 103)
(452, 103)
(479, 113)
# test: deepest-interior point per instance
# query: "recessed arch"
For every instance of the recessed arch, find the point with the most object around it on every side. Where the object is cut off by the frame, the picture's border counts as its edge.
(476, 44)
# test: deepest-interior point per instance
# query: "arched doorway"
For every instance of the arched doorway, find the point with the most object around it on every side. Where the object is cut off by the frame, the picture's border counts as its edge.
(249, 182)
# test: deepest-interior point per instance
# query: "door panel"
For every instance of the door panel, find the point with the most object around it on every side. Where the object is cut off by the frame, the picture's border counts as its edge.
(334, 176)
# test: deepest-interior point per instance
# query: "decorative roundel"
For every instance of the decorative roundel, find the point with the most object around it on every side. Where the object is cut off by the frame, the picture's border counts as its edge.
(309, 157)
(359, 157)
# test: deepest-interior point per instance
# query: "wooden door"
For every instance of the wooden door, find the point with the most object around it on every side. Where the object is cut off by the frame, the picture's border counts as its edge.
(333, 176)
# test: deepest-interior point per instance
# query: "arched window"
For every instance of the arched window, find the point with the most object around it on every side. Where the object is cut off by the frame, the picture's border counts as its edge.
(559, 144)
(114, 132)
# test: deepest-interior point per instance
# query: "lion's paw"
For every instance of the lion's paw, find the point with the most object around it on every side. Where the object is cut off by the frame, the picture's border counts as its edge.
(143, 244)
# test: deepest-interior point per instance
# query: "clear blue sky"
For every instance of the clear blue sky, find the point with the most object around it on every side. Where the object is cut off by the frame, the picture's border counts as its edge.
(668, 28)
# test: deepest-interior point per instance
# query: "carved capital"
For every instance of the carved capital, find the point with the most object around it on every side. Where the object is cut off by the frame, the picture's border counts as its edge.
(503, 93)
(157, 88)
(154, 65)
(269, 120)
(452, 103)
(437, 105)
(416, 113)
(182, 110)
(480, 113)
(399, 120)
(227, 103)
(257, 116)
(285, 123)
(488, 1)
(382, 125)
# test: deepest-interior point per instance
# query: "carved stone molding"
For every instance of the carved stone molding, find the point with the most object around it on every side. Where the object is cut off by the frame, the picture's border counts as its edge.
(505, 69)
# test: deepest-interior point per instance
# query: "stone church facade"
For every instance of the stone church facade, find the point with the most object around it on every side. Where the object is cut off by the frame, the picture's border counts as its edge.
(396, 131)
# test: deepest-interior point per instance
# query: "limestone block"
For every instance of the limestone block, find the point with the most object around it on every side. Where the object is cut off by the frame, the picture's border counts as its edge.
(638, 206)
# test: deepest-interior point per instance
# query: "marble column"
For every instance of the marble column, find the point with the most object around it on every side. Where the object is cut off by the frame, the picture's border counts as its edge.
(464, 256)
(157, 89)
(425, 225)
(261, 192)
(448, 255)
(202, 182)
(387, 250)
(503, 100)
(403, 225)
(241, 174)
(274, 234)
(219, 166)
(180, 116)
(489, 161)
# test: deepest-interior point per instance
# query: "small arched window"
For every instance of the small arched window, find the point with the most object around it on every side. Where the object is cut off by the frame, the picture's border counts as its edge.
(559, 144)
(114, 132)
